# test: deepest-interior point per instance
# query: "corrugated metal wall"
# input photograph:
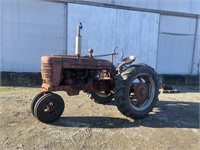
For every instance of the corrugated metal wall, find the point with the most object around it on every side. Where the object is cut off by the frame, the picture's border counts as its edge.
(106, 28)
(31, 29)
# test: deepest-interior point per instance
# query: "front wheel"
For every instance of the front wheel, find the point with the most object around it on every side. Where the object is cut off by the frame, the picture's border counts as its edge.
(49, 108)
(136, 91)
(35, 99)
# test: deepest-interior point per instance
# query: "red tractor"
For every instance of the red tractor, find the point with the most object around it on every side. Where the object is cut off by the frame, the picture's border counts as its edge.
(134, 87)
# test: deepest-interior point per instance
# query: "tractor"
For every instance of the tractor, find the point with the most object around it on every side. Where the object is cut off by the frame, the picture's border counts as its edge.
(133, 87)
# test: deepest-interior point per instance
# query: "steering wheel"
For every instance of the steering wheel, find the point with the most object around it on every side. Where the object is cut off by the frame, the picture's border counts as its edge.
(117, 55)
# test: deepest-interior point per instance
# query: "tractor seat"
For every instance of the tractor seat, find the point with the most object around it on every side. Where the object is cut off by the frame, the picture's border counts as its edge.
(129, 59)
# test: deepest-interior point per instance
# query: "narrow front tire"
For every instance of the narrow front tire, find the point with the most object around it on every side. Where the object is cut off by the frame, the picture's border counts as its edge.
(49, 108)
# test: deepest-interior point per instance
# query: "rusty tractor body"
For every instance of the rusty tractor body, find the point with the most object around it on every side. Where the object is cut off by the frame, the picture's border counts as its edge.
(73, 74)
(134, 87)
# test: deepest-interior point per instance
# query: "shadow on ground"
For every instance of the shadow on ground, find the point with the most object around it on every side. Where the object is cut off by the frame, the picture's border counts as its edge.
(166, 114)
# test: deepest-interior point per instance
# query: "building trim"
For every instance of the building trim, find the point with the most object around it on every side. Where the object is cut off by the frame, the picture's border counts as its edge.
(1, 38)
(158, 42)
(66, 28)
(116, 6)
(194, 45)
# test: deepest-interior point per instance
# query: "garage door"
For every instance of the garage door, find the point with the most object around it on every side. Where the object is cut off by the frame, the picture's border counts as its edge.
(105, 28)
(176, 44)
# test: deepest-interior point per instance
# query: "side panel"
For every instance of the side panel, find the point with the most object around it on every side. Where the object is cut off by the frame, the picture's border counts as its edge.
(105, 28)
(75, 63)
(31, 29)
(176, 44)
(175, 54)
(177, 25)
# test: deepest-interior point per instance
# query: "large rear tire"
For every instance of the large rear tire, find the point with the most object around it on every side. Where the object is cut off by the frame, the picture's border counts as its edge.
(136, 91)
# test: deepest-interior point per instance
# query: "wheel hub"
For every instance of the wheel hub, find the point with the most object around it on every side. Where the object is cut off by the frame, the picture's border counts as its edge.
(49, 108)
(141, 92)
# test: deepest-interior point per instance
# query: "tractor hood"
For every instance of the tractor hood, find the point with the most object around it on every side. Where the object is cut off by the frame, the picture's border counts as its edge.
(84, 62)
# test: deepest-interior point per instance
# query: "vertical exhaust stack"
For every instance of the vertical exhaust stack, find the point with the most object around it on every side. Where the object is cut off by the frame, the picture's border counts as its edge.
(78, 40)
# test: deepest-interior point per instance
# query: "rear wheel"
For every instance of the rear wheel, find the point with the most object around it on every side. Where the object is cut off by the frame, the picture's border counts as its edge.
(49, 108)
(136, 91)
(102, 97)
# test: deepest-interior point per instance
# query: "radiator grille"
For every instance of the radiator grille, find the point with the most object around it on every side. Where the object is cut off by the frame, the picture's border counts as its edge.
(46, 71)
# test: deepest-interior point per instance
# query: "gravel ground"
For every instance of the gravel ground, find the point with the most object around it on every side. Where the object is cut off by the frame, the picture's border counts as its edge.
(173, 124)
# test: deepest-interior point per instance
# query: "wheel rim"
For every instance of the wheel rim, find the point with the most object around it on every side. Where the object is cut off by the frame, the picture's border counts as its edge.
(50, 108)
(142, 91)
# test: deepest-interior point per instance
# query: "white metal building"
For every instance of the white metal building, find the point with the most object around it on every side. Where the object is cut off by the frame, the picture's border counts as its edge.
(162, 33)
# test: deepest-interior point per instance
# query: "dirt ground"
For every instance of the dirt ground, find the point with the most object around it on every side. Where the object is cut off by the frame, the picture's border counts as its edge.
(173, 124)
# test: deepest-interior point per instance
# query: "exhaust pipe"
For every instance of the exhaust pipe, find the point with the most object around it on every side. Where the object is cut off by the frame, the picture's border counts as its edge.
(78, 40)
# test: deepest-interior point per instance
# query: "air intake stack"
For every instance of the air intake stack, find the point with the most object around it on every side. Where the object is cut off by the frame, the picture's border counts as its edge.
(78, 40)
